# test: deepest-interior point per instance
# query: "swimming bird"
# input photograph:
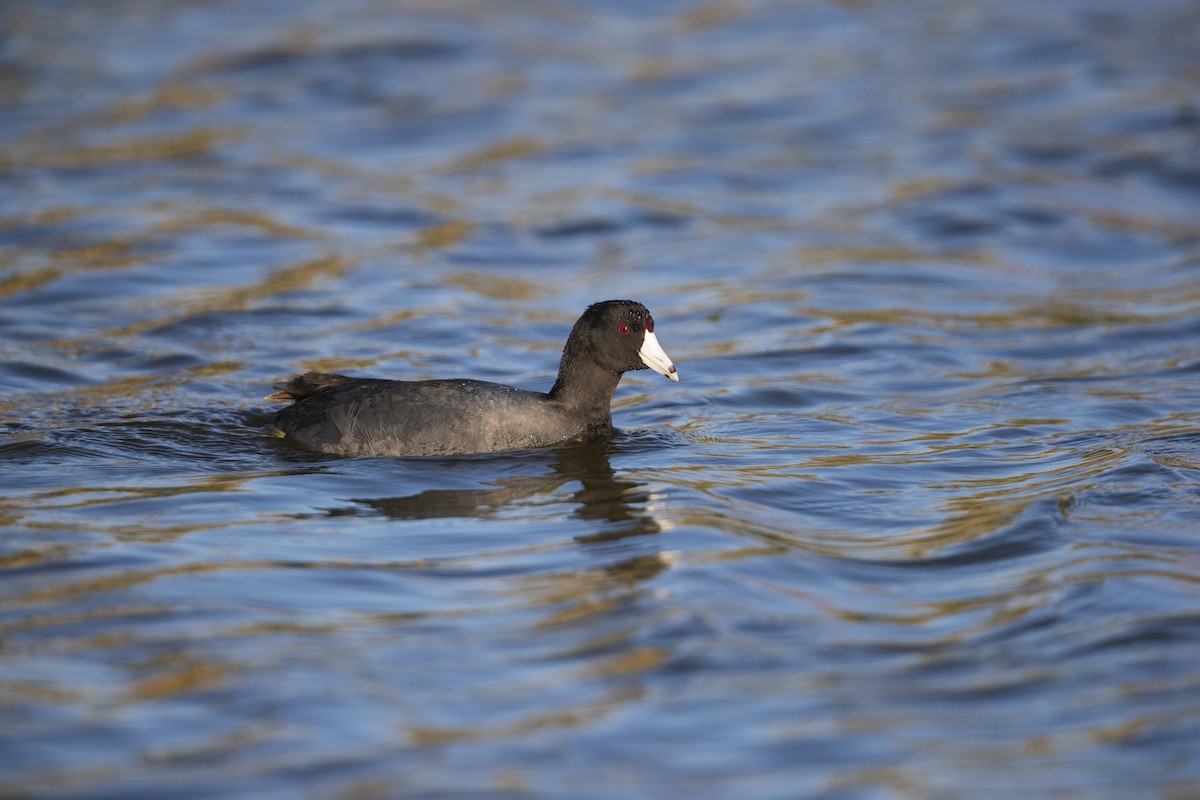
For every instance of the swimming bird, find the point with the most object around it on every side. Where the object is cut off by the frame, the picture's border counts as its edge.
(351, 416)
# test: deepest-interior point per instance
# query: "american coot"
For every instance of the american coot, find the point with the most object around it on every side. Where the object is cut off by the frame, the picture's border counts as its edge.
(373, 417)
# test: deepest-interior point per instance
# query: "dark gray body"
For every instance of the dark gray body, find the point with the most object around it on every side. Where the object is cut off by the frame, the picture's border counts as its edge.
(374, 417)
(368, 417)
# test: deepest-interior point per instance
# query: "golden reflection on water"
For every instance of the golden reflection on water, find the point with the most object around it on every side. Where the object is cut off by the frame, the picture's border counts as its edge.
(495, 287)
(170, 96)
(582, 714)
(112, 255)
(498, 153)
(178, 147)
(191, 303)
(205, 219)
(179, 675)
(444, 234)
(132, 578)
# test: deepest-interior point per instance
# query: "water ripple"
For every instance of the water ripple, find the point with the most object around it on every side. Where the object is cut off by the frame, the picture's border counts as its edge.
(918, 520)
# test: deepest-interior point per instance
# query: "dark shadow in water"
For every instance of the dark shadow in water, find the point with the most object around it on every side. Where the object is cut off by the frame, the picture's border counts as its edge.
(618, 502)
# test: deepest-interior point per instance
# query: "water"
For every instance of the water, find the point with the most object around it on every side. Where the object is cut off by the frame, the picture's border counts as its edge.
(919, 521)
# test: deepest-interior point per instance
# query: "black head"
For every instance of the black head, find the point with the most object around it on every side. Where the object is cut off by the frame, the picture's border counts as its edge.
(618, 335)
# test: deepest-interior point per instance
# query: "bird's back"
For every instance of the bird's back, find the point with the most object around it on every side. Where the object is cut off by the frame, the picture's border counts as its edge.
(373, 417)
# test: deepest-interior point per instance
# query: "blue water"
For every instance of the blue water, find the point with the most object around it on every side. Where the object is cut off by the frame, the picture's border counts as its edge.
(920, 520)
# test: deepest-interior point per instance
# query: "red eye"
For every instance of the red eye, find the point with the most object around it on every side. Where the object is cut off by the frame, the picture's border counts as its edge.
(649, 324)
(623, 329)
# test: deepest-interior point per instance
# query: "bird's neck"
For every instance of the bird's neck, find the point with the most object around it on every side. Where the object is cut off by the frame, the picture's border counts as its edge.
(586, 387)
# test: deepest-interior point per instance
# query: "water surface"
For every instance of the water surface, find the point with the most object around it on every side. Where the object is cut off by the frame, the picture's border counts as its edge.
(919, 521)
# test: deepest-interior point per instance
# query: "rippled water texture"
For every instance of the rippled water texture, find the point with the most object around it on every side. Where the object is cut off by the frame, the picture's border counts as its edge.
(921, 519)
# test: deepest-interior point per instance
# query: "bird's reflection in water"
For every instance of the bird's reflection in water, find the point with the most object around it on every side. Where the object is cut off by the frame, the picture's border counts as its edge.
(619, 504)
